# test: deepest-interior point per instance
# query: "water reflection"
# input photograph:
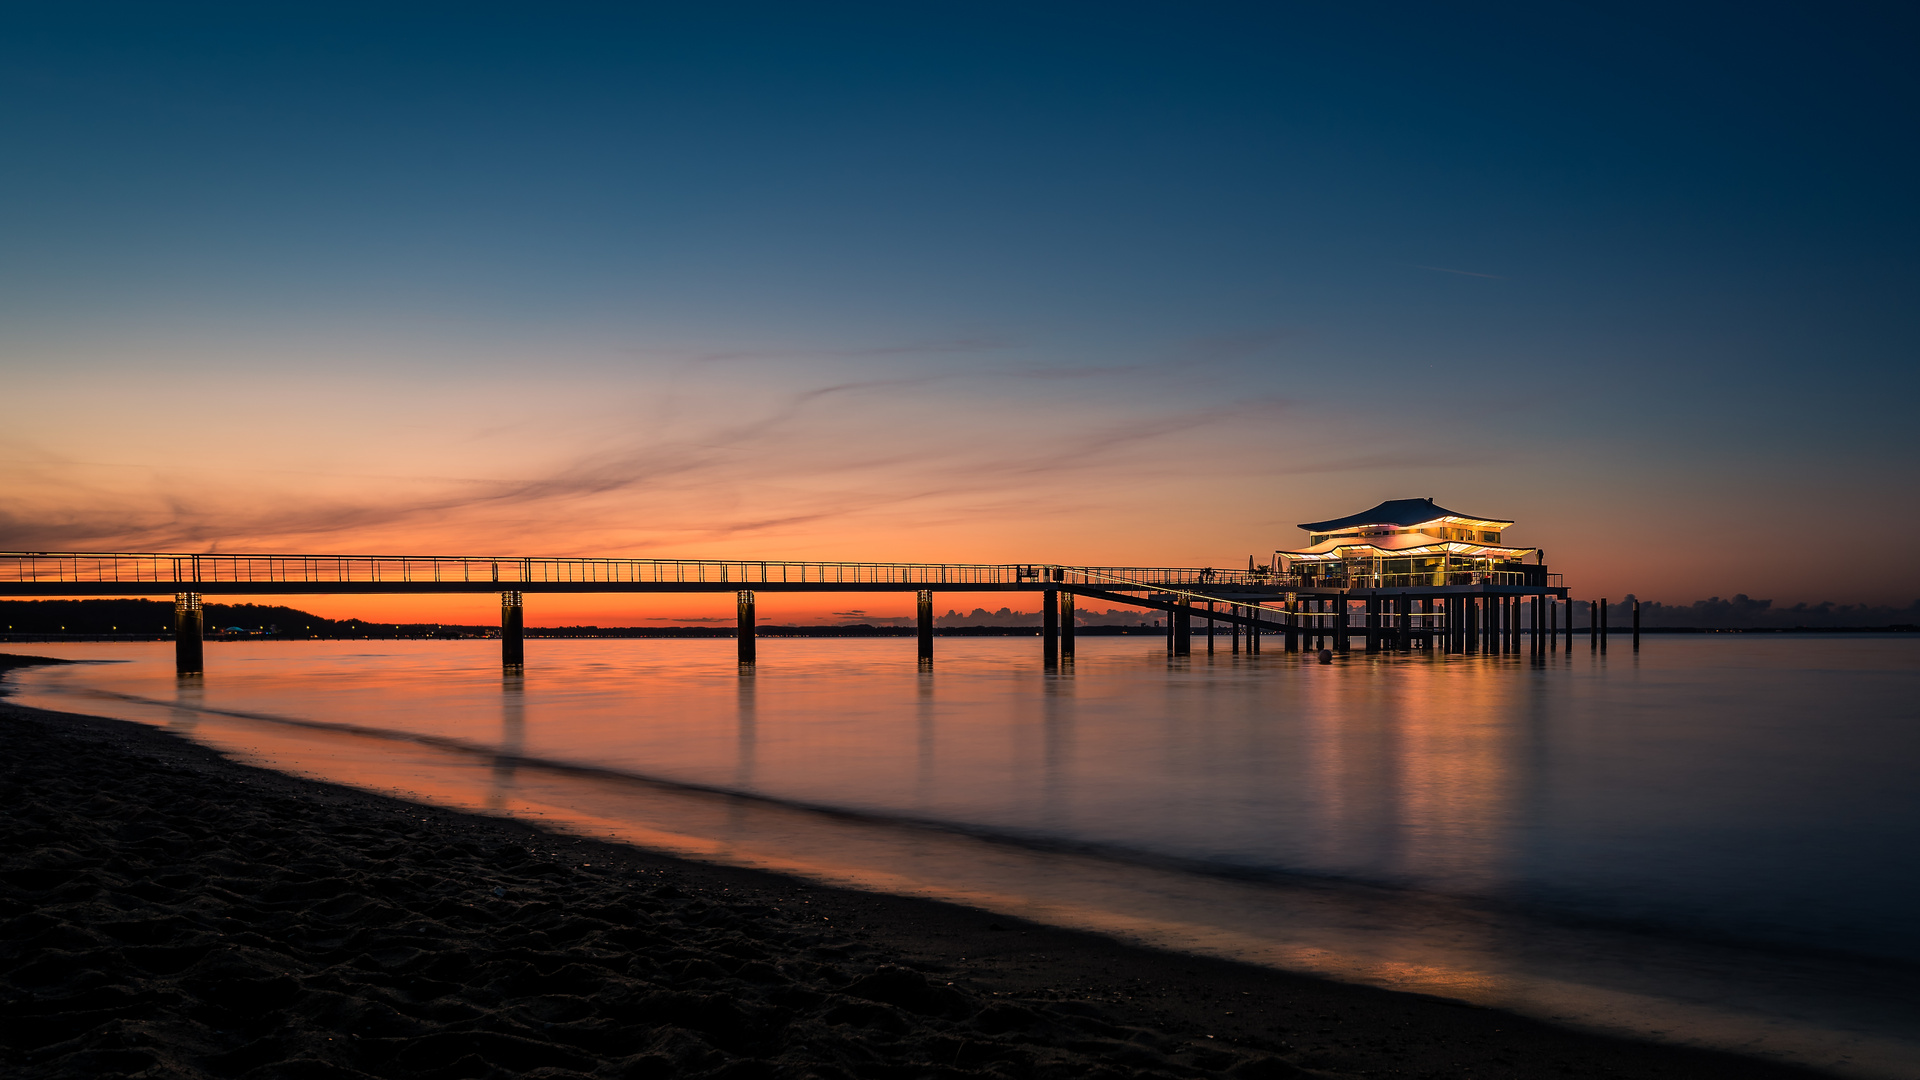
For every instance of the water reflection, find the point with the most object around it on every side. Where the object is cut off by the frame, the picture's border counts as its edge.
(189, 696)
(513, 736)
(1707, 788)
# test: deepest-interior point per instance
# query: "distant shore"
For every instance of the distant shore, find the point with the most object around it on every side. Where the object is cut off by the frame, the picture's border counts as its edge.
(174, 911)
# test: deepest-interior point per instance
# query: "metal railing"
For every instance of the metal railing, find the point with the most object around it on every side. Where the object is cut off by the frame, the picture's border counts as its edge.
(97, 568)
(1430, 579)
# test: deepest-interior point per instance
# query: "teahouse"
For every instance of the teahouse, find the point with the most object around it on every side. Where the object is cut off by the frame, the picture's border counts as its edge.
(1424, 576)
(1407, 543)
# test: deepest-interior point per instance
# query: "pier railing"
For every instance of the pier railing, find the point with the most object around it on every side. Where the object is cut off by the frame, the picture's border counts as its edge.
(1418, 581)
(98, 568)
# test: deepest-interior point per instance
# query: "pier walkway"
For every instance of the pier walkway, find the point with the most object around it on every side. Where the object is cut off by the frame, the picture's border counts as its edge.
(1457, 611)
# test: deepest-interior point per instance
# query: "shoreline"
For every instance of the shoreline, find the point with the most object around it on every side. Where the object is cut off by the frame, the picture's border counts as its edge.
(367, 927)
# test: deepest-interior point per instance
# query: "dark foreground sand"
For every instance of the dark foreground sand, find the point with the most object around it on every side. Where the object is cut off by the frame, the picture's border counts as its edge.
(168, 913)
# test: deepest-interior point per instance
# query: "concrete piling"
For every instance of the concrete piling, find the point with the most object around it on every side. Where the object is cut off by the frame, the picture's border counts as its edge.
(746, 623)
(923, 603)
(1066, 626)
(189, 634)
(513, 644)
(1050, 628)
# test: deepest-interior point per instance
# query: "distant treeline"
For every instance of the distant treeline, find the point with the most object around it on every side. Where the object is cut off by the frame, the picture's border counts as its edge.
(1745, 613)
(154, 618)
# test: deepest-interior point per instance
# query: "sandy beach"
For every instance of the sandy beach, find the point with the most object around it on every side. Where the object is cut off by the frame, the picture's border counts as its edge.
(170, 913)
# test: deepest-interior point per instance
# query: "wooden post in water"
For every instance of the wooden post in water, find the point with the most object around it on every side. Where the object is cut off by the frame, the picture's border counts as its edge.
(1593, 625)
(1183, 630)
(1209, 628)
(923, 605)
(1553, 624)
(189, 634)
(1066, 625)
(513, 647)
(744, 620)
(1636, 624)
(1603, 624)
(1235, 609)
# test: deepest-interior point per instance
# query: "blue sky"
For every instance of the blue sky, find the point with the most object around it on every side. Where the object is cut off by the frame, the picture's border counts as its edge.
(1608, 270)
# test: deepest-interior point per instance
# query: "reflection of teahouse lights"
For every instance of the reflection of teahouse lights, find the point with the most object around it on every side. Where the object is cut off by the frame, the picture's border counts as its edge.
(1405, 539)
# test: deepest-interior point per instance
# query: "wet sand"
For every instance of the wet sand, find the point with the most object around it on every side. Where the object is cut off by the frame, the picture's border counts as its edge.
(170, 913)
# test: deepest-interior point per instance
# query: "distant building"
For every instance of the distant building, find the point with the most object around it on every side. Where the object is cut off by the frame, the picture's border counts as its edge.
(1408, 543)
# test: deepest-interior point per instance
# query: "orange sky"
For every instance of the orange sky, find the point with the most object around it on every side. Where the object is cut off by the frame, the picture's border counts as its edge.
(750, 456)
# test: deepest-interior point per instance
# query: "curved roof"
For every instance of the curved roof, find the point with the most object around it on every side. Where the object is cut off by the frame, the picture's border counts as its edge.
(1401, 512)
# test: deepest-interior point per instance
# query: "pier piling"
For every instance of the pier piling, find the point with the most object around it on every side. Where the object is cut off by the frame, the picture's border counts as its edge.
(923, 603)
(513, 644)
(189, 634)
(1603, 624)
(1050, 628)
(1636, 624)
(745, 621)
(1066, 626)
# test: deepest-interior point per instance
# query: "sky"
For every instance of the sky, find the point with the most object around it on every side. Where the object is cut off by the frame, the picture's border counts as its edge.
(1139, 284)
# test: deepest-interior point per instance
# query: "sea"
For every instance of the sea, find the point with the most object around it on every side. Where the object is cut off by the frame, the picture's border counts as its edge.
(1711, 840)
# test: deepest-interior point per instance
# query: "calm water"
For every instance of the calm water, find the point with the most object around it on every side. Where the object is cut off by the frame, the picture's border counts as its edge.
(1711, 841)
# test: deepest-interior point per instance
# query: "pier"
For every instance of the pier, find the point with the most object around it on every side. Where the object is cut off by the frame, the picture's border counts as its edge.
(1461, 609)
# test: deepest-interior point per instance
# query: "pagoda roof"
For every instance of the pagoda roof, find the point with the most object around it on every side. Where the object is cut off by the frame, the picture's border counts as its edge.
(1403, 513)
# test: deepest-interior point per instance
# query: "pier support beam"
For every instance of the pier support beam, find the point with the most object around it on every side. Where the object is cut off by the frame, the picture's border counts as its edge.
(923, 602)
(189, 634)
(513, 638)
(1183, 631)
(1050, 628)
(1593, 625)
(1067, 603)
(745, 620)
(1636, 624)
(1603, 624)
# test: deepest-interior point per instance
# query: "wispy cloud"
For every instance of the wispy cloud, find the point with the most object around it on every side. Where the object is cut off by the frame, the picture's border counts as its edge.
(810, 459)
